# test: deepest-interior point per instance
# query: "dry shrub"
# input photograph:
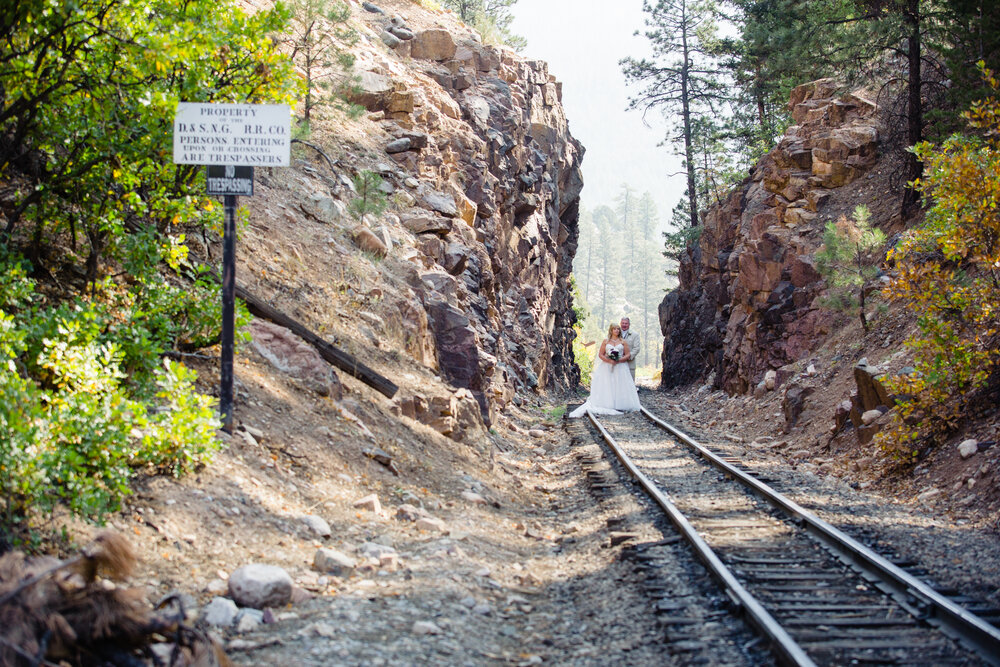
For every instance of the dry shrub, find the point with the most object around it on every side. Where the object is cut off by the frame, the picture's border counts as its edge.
(71, 612)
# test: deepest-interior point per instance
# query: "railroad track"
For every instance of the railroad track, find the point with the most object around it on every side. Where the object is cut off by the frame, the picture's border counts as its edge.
(813, 593)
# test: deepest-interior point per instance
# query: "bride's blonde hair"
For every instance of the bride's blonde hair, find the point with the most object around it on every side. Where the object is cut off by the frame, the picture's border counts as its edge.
(611, 330)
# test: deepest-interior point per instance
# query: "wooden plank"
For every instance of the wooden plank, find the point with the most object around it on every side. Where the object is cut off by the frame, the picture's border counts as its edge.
(678, 620)
(786, 576)
(868, 644)
(334, 355)
(813, 621)
(862, 609)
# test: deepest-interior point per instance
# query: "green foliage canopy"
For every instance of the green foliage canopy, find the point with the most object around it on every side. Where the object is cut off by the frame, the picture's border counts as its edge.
(88, 91)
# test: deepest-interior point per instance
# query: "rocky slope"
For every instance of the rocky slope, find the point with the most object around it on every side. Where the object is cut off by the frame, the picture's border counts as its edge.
(747, 299)
(478, 141)
(747, 316)
(467, 272)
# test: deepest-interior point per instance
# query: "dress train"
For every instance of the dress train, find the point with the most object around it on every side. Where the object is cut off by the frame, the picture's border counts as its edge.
(612, 391)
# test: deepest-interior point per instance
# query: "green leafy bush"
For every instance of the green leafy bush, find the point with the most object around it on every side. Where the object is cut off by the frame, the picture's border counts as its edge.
(73, 427)
(584, 357)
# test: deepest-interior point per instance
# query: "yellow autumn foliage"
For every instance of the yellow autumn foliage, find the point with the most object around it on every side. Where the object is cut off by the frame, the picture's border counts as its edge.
(948, 273)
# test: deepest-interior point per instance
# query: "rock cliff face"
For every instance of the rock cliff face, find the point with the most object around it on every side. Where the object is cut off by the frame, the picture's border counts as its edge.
(482, 156)
(747, 299)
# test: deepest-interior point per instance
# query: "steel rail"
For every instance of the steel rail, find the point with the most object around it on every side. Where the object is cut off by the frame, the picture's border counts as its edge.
(784, 647)
(913, 594)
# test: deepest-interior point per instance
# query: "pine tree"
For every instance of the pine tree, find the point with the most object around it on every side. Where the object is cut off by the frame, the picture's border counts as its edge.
(583, 263)
(681, 78)
(319, 36)
(492, 18)
(653, 277)
(608, 278)
(647, 216)
(849, 260)
(626, 203)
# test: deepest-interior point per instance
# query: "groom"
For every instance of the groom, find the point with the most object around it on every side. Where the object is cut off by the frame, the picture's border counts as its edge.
(632, 338)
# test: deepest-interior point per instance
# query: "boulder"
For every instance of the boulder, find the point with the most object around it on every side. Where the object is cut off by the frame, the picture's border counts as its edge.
(399, 102)
(427, 223)
(842, 416)
(331, 561)
(370, 503)
(390, 40)
(968, 448)
(870, 416)
(220, 612)
(248, 620)
(458, 353)
(434, 44)
(442, 203)
(316, 524)
(399, 32)
(431, 524)
(794, 403)
(770, 380)
(258, 586)
(368, 241)
(871, 392)
(370, 90)
(324, 209)
(398, 146)
(292, 355)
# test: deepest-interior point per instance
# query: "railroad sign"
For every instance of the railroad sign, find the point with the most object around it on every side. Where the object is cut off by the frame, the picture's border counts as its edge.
(252, 135)
(231, 139)
(229, 180)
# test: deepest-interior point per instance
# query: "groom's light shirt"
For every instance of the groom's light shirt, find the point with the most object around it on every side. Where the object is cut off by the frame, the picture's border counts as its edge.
(632, 339)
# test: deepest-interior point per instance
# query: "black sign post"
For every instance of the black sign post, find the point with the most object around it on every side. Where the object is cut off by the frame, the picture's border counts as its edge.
(228, 180)
(225, 180)
(228, 313)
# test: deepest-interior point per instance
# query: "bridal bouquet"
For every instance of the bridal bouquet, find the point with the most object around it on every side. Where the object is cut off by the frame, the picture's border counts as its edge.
(614, 355)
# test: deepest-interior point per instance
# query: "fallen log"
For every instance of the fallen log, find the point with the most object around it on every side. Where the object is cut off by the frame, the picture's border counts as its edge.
(335, 356)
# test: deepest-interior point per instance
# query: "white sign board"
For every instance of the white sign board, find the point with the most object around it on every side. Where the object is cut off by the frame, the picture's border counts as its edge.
(253, 135)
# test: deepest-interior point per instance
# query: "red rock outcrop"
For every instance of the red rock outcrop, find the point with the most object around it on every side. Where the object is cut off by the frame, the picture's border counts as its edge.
(482, 149)
(746, 302)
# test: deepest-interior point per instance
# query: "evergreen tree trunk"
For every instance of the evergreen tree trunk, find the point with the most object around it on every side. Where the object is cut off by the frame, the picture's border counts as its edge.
(308, 105)
(686, 119)
(762, 119)
(645, 317)
(914, 112)
(604, 286)
(861, 308)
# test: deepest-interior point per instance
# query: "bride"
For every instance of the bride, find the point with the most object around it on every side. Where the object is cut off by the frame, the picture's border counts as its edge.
(612, 389)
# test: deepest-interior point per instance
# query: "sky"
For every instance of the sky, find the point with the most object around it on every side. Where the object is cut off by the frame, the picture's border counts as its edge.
(583, 40)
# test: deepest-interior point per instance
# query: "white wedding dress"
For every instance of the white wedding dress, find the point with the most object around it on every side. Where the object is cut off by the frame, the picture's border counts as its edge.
(612, 389)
